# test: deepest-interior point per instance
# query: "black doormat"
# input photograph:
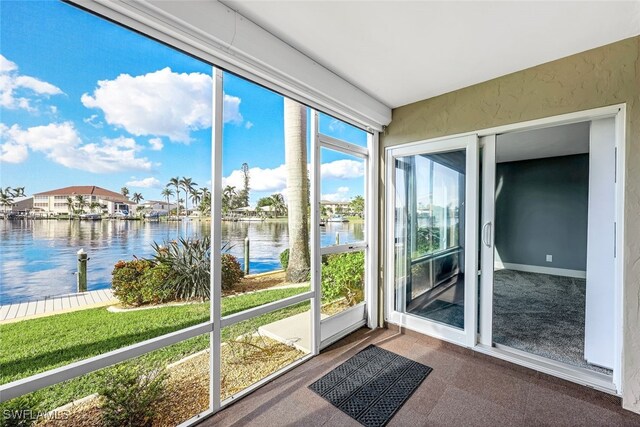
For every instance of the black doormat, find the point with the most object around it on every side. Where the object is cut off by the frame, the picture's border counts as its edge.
(372, 386)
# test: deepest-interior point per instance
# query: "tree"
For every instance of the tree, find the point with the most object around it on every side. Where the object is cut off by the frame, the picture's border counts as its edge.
(167, 192)
(93, 206)
(6, 198)
(357, 206)
(196, 196)
(137, 198)
(125, 192)
(228, 196)
(70, 205)
(80, 202)
(243, 195)
(295, 140)
(205, 205)
(175, 182)
(18, 192)
(278, 205)
(188, 186)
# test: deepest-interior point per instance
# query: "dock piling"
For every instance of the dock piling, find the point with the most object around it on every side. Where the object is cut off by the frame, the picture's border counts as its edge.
(82, 270)
(246, 255)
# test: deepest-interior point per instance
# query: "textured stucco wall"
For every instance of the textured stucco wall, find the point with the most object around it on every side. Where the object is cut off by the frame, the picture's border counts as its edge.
(603, 76)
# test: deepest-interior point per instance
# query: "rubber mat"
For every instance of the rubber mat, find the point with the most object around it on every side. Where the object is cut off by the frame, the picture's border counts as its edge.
(372, 386)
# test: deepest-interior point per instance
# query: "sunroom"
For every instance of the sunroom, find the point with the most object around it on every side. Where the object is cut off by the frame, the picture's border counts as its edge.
(450, 189)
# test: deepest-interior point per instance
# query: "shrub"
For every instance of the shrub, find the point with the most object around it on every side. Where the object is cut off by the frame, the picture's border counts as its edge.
(343, 276)
(126, 281)
(232, 272)
(189, 261)
(284, 258)
(131, 392)
(156, 285)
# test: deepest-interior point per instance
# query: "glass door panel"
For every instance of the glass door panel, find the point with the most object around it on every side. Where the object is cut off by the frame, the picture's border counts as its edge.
(431, 247)
(433, 225)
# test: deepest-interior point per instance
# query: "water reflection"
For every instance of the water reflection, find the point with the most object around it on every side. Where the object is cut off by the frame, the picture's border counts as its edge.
(38, 258)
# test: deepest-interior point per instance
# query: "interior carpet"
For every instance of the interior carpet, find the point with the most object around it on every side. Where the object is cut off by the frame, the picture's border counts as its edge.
(372, 386)
(541, 314)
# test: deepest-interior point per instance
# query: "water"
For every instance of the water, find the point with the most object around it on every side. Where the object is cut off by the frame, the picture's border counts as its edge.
(38, 258)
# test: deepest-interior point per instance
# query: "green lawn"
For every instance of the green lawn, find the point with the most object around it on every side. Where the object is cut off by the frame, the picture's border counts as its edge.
(37, 345)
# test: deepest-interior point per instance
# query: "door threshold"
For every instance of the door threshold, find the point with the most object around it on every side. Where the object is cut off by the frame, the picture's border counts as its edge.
(582, 376)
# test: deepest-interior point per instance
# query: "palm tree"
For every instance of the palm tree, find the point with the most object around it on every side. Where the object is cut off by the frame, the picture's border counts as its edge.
(137, 197)
(18, 192)
(70, 205)
(167, 192)
(6, 198)
(175, 182)
(125, 192)
(277, 204)
(196, 196)
(188, 186)
(93, 206)
(205, 205)
(228, 195)
(80, 202)
(295, 141)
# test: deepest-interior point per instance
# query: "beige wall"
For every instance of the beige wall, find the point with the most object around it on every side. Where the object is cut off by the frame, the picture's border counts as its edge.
(595, 78)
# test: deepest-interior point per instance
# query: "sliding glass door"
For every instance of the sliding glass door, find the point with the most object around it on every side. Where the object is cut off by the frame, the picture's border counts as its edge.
(431, 222)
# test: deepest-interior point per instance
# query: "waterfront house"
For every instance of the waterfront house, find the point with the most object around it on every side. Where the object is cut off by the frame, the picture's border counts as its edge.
(56, 201)
(159, 206)
(336, 207)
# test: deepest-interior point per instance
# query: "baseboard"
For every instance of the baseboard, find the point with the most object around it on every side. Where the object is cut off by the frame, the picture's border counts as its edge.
(578, 274)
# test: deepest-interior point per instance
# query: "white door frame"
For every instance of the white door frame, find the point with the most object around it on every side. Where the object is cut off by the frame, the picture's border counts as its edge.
(488, 142)
(329, 330)
(467, 336)
(482, 343)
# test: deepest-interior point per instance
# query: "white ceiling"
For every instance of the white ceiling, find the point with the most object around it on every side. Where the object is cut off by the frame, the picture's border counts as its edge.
(555, 141)
(404, 51)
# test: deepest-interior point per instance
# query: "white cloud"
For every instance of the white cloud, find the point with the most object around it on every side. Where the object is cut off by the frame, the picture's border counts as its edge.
(339, 196)
(231, 110)
(18, 91)
(156, 144)
(248, 124)
(268, 180)
(150, 182)
(161, 103)
(61, 143)
(7, 66)
(274, 180)
(342, 169)
(93, 121)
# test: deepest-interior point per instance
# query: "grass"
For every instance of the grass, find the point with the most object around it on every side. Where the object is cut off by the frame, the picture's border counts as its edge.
(37, 345)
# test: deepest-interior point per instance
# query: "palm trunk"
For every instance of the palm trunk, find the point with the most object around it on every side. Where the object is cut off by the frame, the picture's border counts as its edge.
(295, 137)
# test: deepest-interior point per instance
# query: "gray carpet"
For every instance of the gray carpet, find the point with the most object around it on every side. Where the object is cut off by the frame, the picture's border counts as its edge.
(542, 315)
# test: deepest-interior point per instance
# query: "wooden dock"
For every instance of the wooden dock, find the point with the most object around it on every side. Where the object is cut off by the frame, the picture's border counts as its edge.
(55, 305)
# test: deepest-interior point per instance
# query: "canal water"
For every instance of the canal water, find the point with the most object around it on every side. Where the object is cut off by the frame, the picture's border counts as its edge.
(38, 257)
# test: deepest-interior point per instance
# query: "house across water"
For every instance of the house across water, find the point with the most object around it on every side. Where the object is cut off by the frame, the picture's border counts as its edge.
(62, 200)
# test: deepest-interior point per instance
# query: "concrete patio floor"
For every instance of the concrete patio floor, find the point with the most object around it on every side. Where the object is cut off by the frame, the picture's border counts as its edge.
(464, 389)
(294, 330)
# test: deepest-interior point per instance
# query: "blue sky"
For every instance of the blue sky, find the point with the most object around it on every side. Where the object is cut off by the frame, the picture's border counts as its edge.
(86, 102)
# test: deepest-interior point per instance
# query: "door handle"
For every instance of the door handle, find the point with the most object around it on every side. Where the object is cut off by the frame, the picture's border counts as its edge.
(486, 234)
